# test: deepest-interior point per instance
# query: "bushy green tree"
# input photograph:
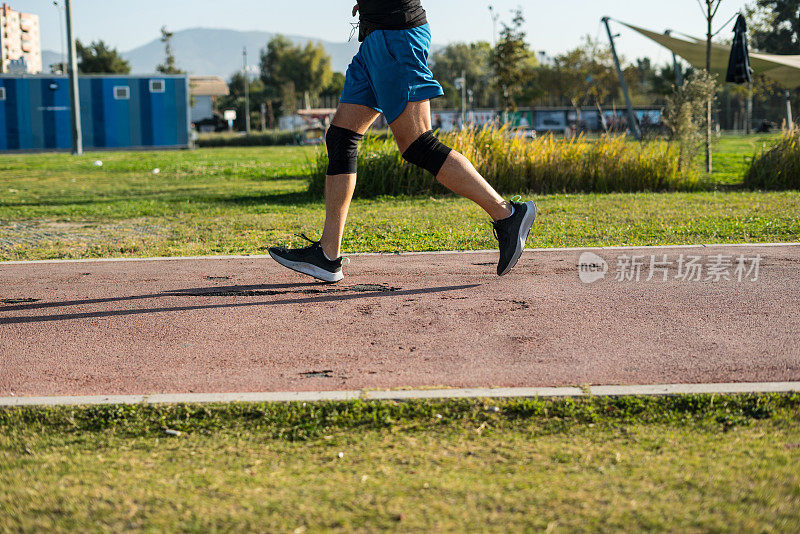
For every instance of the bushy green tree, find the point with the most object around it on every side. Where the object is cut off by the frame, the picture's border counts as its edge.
(170, 65)
(474, 59)
(99, 58)
(334, 89)
(774, 26)
(664, 79)
(586, 75)
(290, 72)
(512, 61)
(236, 87)
(235, 99)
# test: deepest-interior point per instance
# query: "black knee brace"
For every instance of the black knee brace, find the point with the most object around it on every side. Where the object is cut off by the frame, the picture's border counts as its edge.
(427, 152)
(342, 150)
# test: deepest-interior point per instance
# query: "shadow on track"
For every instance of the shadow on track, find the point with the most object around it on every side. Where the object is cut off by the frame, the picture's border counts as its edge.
(266, 289)
(337, 296)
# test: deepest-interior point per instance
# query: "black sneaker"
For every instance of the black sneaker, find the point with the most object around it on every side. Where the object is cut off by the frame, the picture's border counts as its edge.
(309, 260)
(512, 233)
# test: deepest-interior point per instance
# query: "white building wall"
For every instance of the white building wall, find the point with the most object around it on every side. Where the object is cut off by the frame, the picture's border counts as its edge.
(292, 122)
(20, 38)
(203, 108)
(31, 42)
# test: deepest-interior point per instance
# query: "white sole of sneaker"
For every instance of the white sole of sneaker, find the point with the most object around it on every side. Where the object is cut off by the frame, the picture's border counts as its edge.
(308, 269)
(524, 230)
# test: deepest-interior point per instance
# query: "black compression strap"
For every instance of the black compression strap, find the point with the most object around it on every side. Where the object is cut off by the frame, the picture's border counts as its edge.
(427, 152)
(342, 150)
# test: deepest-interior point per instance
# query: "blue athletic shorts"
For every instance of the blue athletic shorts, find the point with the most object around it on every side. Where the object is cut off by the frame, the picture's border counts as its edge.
(390, 70)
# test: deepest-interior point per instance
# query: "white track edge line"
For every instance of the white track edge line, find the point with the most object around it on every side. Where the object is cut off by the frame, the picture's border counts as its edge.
(431, 253)
(345, 395)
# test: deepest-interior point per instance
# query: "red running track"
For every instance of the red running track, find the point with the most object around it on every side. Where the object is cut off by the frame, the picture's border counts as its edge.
(246, 324)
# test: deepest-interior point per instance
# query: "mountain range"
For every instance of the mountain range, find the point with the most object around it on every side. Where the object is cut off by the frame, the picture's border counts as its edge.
(209, 51)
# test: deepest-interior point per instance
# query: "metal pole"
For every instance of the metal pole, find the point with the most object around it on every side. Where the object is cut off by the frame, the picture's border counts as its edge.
(494, 16)
(634, 123)
(61, 37)
(74, 94)
(749, 110)
(246, 93)
(675, 65)
(678, 73)
(709, 35)
(789, 121)
(463, 99)
(263, 110)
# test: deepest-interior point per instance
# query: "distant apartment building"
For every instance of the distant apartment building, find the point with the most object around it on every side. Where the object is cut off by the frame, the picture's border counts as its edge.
(20, 42)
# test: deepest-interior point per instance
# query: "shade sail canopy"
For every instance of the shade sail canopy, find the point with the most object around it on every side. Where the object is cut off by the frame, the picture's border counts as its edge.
(783, 69)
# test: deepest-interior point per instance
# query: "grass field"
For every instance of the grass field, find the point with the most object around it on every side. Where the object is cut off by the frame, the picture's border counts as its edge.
(242, 200)
(733, 154)
(686, 463)
(690, 464)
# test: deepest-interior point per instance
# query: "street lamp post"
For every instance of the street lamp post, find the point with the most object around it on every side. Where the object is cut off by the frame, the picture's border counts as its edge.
(461, 83)
(74, 95)
(246, 93)
(495, 18)
(61, 36)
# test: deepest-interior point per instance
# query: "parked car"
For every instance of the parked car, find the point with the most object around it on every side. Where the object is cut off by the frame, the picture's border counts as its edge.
(211, 124)
(313, 135)
(525, 132)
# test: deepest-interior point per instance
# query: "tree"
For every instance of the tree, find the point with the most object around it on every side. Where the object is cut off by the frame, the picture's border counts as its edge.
(235, 98)
(774, 26)
(685, 114)
(512, 60)
(336, 86)
(236, 85)
(709, 12)
(169, 66)
(664, 78)
(276, 84)
(289, 71)
(334, 89)
(473, 59)
(99, 58)
(585, 75)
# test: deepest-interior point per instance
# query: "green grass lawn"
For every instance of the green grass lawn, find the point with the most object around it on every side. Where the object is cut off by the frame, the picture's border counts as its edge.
(685, 463)
(701, 463)
(732, 155)
(242, 200)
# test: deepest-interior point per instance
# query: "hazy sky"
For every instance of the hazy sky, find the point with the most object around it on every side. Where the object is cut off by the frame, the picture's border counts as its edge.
(553, 26)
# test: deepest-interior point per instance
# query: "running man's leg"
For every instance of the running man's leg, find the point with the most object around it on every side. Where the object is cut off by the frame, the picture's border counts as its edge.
(339, 187)
(457, 173)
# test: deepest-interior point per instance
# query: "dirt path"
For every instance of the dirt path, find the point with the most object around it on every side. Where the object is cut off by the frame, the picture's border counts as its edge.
(246, 324)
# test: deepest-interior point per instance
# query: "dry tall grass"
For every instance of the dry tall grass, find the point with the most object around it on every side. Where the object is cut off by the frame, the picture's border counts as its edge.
(517, 165)
(779, 167)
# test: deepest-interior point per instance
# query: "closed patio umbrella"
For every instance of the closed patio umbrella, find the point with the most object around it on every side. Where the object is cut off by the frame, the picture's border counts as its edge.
(739, 70)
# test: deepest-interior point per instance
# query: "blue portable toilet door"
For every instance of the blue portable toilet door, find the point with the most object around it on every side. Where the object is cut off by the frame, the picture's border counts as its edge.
(55, 116)
(4, 105)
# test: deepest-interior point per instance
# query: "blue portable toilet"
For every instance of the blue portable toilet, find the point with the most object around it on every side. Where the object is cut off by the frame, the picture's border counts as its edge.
(117, 111)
